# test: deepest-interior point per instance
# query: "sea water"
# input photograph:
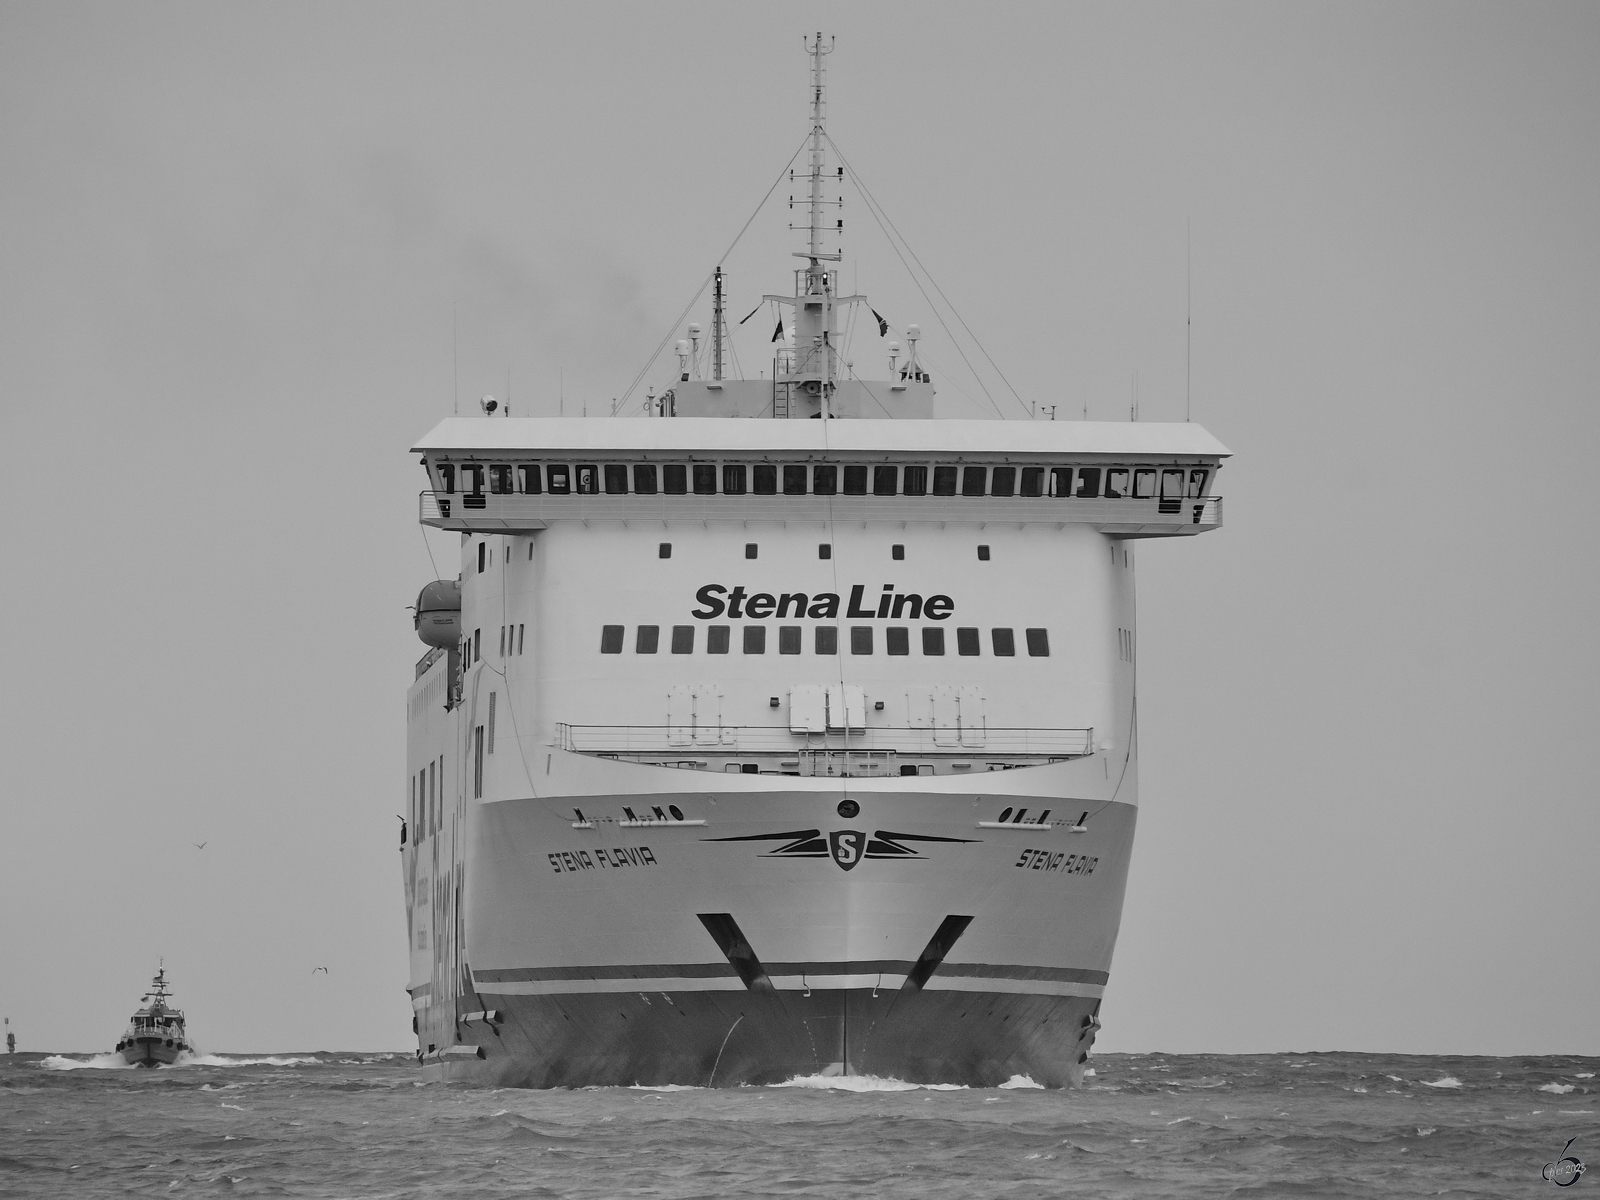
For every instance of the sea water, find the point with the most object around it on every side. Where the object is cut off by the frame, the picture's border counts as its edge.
(1145, 1126)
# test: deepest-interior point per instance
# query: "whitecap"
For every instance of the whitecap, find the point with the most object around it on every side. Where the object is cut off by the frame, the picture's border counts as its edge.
(219, 1060)
(664, 1087)
(1088, 1073)
(235, 1107)
(1448, 1081)
(1180, 1121)
(1425, 1130)
(1022, 1081)
(1584, 1075)
(1576, 1112)
(1560, 1089)
(97, 1062)
(865, 1083)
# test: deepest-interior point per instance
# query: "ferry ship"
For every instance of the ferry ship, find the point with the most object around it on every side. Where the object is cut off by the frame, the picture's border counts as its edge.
(786, 729)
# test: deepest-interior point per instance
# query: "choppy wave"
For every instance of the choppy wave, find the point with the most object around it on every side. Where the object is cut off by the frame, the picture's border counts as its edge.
(229, 1060)
(95, 1062)
(1560, 1089)
(1021, 1081)
(865, 1083)
(1447, 1081)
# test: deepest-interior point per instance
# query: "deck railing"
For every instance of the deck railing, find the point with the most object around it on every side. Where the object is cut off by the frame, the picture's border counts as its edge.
(509, 512)
(918, 741)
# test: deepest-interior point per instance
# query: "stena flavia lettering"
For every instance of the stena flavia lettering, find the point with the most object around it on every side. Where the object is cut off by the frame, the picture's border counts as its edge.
(717, 600)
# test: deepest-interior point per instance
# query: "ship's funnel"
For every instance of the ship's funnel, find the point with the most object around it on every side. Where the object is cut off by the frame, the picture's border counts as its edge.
(438, 617)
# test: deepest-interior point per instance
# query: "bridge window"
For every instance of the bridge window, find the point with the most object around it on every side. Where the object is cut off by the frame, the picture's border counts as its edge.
(933, 640)
(827, 639)
(1005, 643)
(716, 639)
(644, 481)
(972, 480)
(500, 479)
(616, 480)
(733, 481)
(1088, 482)
(1172, 485)
(788, 639)
(530, 480)
(588, 476)
(683, 639)
(855, 481)
(705, 479)
(648, 640)
(447, 477)
(944, 481)
(764, 479)
(611, 639)
(755, 639)
(885, 480)
(1004, 482)
(824, 481)
(1032, 481)
(967, 641)
(861, 639)
(472, 480)
(897, 640)
(1144, 484)
(558, 480)
(1061, 481)
(794, 481)
(1197, 484)
(1038, 643)
(675, 479)
(1116, 482)
(916, 481)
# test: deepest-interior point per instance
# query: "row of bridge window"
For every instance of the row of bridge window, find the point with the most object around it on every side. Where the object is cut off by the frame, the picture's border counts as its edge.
(825, 640)
(794, 479)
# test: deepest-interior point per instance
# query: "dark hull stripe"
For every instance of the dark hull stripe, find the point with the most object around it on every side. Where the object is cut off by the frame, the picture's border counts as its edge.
(723, 970)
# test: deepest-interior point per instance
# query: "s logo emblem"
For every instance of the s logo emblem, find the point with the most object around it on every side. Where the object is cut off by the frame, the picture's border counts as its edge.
(846, 846)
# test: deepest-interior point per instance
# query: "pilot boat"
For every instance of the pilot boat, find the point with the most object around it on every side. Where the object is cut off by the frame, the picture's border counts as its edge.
(783, 726)
(156, 1033)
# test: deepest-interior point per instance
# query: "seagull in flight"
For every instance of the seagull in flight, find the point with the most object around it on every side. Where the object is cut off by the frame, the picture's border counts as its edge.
(201, 845)
(314, 970)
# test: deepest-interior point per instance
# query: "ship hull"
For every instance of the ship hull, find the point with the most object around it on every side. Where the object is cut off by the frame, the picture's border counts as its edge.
(751, 944)
(152, 1052)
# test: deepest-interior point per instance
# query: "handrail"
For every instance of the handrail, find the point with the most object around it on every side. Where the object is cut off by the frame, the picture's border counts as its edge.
(922, 741)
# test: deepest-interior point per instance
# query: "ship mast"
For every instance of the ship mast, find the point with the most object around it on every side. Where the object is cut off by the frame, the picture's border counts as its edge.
(815, 331)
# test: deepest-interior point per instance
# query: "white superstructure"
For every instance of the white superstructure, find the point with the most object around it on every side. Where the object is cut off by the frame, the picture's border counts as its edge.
(760, 747)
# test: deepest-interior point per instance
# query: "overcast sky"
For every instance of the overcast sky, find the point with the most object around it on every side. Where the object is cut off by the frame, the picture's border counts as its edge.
(234, 240)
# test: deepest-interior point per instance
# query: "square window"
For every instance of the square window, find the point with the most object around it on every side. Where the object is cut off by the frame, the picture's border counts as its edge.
(611, 639)
(733, 481)
(1038, 643)
(885, 480)
(1003, 481)
(824, 551)
(683, 639)
(587, 480)
(788, 639)
(855, 481)
(827, 639)
(764, 480)
(675, 479)
(861, 639)
(983, 554)
(647, 641)
(824, 481)
(967, 641)
(558, 479)
(944, 481)
(933, 641)
(644, 481)
(616, 480)
(916, 481)
(750, 549)
(794, 481)
(1116, 482)
(897, 640)
(705, 479)
(664, 550)
(972, 480)
(1005, 645)
(897, 552)
(716, 639)
(755, 639)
